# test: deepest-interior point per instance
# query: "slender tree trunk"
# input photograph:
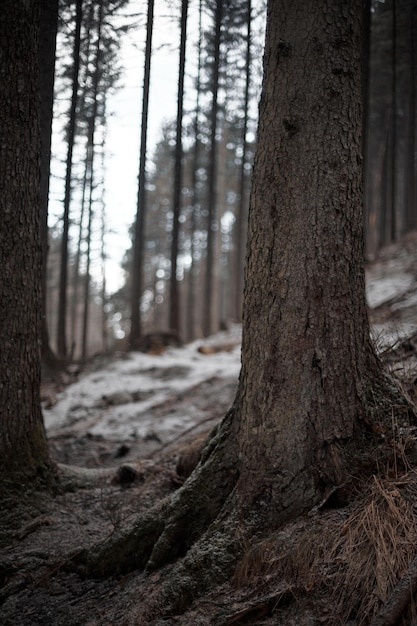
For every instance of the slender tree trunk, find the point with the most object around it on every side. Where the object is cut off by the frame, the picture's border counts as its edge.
(174, 312)
(47, 44)
(75, 336)
(103, 250)
(191, 303)
(63, 281)
(87, 278)
(241, 216)
(139, 235)
(23, 449)
(208, 311)
(394, 132)
(92, 127)
(77, 260)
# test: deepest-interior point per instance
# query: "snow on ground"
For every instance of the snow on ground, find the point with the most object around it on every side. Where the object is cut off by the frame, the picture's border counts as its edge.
(120, 400)
(391, 293)
(382, 289)
(140, 395)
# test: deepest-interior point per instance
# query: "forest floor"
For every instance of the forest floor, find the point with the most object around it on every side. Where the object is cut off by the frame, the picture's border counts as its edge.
(137, 422)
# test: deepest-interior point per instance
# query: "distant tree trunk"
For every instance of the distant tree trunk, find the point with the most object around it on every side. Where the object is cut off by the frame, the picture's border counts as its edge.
(139, 234)
(242, 214)
(87, 279)
(76, 338)
(23, 449)
(47, 44)
(412, 199)
(395, 155)
(191, 300)
(63, 277)
(174, 311)
(91, 132)
(103, 251)
(208, 310)
(77, 260)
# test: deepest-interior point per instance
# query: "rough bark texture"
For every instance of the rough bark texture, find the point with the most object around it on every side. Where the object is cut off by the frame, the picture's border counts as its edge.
(23, 448)
(310, 384)
(306, 349)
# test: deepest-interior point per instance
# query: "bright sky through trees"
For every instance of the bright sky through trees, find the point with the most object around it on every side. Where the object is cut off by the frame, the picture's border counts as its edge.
(123, 108)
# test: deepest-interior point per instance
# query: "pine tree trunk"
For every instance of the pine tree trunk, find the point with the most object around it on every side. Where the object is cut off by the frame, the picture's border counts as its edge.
(63, 279)
(174, 311)
(139, 236)
(23, 448)
(47, 44)
(191, 299)
(241, 216)
(208, 312)
(311, 386)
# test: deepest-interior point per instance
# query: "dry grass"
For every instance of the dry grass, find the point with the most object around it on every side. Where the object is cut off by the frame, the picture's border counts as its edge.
(353, 558)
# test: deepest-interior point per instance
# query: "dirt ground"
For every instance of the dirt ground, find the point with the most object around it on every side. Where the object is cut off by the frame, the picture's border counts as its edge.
(293, 582)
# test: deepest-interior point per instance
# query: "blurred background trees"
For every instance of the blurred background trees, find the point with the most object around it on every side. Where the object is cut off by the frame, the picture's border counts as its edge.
(182, 266)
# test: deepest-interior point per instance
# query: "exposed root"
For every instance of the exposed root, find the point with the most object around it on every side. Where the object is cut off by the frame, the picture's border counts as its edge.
(209, 562)
(171, 527)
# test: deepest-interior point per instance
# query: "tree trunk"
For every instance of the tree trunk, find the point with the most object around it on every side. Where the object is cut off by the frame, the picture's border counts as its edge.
(92, 121)
(63, 277)
(208, 313)
(174, 310)
(139, 236)
(23, 448)
(306, 347)
(190, 321)
(241, 215)
(311, 386)
(47, 44)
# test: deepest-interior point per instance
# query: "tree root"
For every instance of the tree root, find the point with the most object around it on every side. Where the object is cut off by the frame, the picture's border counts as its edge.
(171, 527)
(208, 563)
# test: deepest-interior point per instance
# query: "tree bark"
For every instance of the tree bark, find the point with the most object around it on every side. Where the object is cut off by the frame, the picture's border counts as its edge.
(310, 386)
(23, 449)
(63, 275)
(47, 44)
(139, 236)
(174, 306)
(208, 323)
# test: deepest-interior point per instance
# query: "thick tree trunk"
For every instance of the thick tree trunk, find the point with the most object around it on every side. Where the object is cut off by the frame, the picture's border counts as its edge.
(306, 346)
(310, 386)
(23, 448)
